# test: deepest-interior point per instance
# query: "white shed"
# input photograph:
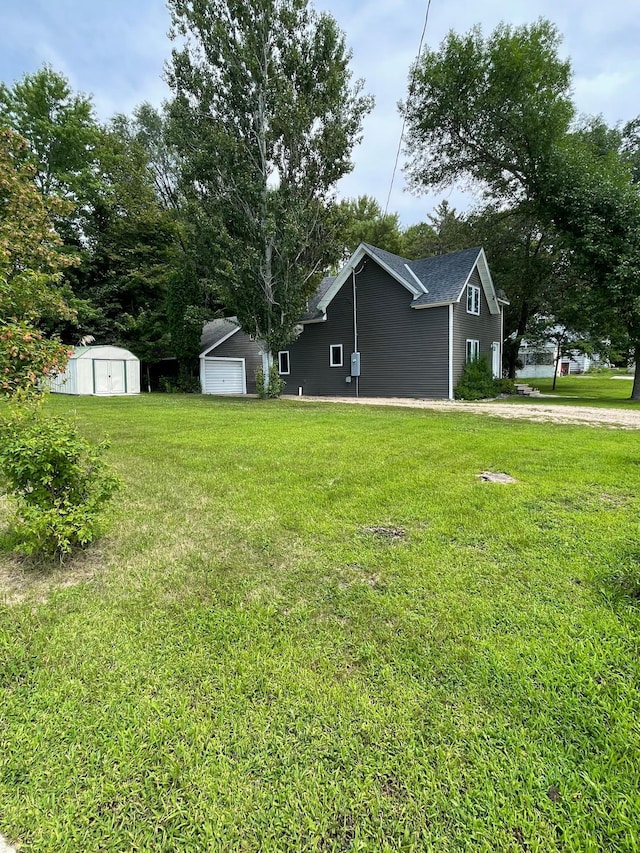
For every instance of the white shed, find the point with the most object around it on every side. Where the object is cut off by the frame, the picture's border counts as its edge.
(105, 371)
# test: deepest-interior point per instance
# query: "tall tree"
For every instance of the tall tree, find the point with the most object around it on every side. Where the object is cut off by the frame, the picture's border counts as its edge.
(489, 110)
(595, 205)
(63, 134)
(31, 266)
(361, 220)
(133, 247)
(267, 117)
(498, 112)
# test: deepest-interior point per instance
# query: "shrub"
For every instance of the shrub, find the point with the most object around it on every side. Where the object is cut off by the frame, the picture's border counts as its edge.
(56, 481)
(179, 385)
(476, 381)
(505, 386)
(275, 386)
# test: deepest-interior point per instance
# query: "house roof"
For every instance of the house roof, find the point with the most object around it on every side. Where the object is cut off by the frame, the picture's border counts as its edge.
(444, 276)
(217, 331)
(313, 313)
(439, 280)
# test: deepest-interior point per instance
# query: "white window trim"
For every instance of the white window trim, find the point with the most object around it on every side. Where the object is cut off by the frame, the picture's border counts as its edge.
(333, 363)
(280, 371)
(473, 297)
(474, 355)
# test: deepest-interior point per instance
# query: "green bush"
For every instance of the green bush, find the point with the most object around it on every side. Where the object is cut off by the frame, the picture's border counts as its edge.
(275, 386)
(505, 386)
(476, 381)
(179, 385)
(56, 481)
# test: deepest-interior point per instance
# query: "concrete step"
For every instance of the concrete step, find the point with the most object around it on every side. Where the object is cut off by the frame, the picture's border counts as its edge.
(526, 390)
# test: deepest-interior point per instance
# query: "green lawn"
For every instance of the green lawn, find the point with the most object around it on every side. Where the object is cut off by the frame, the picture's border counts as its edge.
(602, 390)
(251, 669)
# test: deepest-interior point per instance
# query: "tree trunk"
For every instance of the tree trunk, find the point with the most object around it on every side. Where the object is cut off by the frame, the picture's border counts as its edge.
(267, 364)
(555, 369)
(635, 391)
(512, 352)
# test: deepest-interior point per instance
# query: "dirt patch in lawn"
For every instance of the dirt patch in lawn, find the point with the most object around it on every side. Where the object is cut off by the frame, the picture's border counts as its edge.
(611, 418)
(22, 579)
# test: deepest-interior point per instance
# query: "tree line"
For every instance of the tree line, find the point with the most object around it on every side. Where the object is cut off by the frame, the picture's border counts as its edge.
(222, 201)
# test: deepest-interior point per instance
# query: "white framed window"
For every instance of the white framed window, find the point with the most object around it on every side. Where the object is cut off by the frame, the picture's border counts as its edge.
(335, 355)
(473, 350)
(473, 299)
(283, 362)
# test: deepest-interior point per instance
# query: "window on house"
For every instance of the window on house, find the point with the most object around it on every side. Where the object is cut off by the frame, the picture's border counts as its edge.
(473, 350)
(335, 355)
(473, 299)
(283, 363)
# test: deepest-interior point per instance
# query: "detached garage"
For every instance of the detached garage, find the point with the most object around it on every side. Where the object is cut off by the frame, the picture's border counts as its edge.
(228, 359)
(104, 371)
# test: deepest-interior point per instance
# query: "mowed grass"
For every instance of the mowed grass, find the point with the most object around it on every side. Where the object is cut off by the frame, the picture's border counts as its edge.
(252, 669)
(587, 389)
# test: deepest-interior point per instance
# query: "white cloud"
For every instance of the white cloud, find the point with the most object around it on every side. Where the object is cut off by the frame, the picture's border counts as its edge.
(116, 52)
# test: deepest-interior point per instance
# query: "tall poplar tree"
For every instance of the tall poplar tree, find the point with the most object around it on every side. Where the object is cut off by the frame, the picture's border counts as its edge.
(266, 117)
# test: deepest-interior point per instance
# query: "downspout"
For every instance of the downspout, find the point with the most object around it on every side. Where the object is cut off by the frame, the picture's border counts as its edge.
(501, 338)
(451, 351)
(355, 324)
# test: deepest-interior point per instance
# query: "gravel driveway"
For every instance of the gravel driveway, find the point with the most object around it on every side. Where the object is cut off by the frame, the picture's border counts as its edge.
(551, 413)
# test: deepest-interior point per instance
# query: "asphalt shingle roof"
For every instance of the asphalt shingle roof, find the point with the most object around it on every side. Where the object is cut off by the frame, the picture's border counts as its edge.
(312, 312)
(444, 276)
(214, 331)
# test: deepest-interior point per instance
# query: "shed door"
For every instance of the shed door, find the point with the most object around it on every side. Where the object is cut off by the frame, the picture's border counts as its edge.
(224, 376)
(109, 377)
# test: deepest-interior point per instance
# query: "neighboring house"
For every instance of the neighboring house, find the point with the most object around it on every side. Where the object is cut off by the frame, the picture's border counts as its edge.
(103, 371)
(384, 326)
(539, 361)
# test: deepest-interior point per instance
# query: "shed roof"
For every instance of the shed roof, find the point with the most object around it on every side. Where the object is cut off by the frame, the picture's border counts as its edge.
(103, 351)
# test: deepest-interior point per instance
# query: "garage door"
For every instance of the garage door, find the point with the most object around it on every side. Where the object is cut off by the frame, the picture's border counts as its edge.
(224, 376)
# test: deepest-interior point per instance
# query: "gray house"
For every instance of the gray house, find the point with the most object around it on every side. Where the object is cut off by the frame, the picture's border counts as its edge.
(384, 326)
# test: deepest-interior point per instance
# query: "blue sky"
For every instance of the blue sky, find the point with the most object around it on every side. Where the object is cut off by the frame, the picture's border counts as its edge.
(115, 51)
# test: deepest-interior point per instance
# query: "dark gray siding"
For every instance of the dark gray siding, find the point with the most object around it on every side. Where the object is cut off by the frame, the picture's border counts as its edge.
(485, 328)
(309, 354)
(404, 352)
(240, 345)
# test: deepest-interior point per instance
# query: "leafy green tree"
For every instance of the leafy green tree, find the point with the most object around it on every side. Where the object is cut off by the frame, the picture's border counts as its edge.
(498, 112)
(361, 220)
(63, 135)
(31, 268)
(133, 248)
(595, 206)
(489, 110)
(151, 130)
(113, 219)
(266, 117)
(444, 231)
(185, 317)
(418, 241)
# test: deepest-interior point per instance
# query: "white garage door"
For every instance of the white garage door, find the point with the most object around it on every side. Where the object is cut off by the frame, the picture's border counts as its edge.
(223, 376)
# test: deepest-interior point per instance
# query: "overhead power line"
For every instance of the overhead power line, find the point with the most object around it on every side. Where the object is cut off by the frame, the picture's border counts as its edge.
(411, 85)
